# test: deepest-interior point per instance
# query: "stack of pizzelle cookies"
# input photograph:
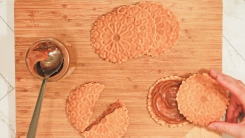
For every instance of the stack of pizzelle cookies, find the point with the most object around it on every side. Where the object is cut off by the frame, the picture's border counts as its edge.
(176, 101)
(80, 104)
(130, 31)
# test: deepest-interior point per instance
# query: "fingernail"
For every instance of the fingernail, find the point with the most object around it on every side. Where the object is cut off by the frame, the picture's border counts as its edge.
(212, 127)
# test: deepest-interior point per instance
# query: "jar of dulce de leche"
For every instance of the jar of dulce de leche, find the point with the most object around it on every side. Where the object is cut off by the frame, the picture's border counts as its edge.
(33, 59)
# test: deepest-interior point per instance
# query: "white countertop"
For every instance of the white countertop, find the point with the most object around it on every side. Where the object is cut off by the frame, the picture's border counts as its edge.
(233, 56)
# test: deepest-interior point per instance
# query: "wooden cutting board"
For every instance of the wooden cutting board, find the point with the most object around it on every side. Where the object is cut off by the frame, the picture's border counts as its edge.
(199, 48)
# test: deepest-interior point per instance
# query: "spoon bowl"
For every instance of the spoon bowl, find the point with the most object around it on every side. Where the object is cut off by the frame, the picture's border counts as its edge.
(54, 62)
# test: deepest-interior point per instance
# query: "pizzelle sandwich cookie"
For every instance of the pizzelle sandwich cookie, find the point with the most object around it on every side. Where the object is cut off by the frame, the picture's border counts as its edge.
(112, 123)
(162, 104)
(201, 99)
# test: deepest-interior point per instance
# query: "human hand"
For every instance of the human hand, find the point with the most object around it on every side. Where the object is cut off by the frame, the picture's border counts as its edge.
(235, 108)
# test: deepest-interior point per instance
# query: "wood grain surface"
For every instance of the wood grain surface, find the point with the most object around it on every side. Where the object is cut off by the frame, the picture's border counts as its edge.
(199, 48)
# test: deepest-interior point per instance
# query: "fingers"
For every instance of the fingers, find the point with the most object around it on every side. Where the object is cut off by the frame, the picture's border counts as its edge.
(237, 114)
(231, 110)
(232, 129)
(235, 87)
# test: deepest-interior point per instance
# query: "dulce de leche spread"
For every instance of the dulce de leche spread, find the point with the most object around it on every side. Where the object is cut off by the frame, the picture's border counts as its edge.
(164, 103)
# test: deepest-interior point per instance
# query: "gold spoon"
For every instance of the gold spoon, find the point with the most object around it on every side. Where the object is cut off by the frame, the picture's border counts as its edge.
(49, 67)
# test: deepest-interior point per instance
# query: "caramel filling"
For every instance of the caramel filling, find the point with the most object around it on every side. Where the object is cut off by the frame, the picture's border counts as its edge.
(110, 109)
(36, 56)
(164, 102)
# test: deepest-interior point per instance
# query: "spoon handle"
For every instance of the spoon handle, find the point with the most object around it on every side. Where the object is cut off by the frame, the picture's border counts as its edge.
(35, 117)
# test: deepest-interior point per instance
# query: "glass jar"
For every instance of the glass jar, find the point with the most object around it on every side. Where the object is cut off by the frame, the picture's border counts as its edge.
(69, 61)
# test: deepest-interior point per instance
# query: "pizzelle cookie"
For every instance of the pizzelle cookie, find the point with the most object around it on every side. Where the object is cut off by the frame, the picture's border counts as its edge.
(145, 25)
(167, 27)
(201, 99)
(80, 104)
(162, 104)
(115, 38)
(112, 123)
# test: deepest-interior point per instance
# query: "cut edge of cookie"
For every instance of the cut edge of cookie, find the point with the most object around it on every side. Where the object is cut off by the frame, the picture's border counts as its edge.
(110, 110)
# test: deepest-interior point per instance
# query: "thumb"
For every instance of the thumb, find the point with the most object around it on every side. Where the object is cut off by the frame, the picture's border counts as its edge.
(228, 128)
